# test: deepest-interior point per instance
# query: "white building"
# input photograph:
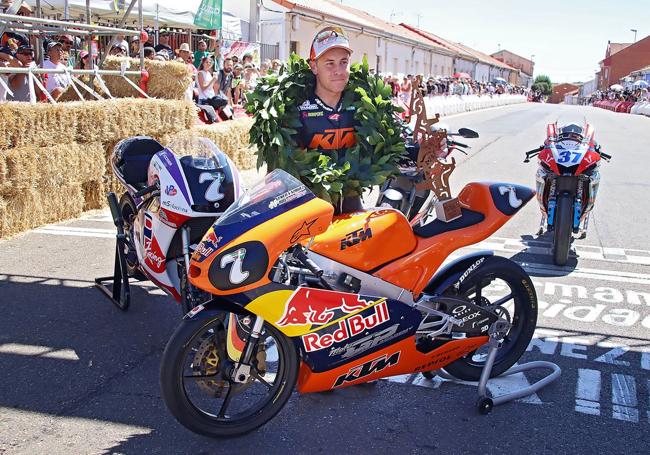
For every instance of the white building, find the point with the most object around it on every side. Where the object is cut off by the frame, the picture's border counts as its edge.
(389, 48)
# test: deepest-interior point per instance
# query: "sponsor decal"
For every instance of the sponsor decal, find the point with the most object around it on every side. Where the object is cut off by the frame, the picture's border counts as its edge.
(442, 358)
(347, 328)
(171, 206)
(204, 251)
(307, 106)
(314, 114)
(334, 117)
(369, 342)
(513, 200)
(240, 265)
(153, 257)
(288, 196)
(317, 306)
(356, 237)
(368, 368)
(333, 139)
(302, 231)
(467, 273)
(170, 190)
(166, 159)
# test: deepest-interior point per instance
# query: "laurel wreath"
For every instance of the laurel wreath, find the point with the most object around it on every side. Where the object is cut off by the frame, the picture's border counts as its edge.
(329, 174)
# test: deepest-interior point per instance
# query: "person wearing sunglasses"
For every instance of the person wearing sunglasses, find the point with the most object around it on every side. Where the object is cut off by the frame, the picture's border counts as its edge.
(19, 83)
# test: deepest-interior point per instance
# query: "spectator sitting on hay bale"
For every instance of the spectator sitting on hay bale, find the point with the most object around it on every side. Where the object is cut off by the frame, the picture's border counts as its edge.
(149, 53)
(163, 44)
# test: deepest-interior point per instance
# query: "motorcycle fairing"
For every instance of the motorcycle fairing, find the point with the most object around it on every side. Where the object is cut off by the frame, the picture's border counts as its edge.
(272, 231)
(366, 240)
(401, 357)
(414, 271)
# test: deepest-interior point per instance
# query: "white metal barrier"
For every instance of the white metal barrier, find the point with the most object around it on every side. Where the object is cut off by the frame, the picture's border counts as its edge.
(455, 104)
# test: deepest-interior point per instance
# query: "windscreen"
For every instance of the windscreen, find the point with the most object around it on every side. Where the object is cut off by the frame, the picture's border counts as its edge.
(277, 190)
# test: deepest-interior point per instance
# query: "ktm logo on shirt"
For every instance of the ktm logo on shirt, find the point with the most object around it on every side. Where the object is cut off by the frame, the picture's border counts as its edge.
(334, 139)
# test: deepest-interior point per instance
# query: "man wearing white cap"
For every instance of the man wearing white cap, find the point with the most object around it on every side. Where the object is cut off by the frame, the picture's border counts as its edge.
(326, 123)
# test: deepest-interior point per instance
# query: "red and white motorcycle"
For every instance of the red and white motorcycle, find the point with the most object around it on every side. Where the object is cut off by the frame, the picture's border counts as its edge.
(168, 205)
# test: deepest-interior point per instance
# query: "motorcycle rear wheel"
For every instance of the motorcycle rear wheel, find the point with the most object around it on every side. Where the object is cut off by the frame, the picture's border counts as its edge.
(199, 345)
(129, 210)
(562, 230)
(521, 302)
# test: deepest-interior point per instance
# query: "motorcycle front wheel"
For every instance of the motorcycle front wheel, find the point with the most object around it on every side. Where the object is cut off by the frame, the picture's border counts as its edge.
(563, 229)
(196, 377)
(503, 286)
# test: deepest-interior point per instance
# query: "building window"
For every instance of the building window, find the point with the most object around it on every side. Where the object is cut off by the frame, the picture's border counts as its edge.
(395, 66)
(407, 67)
(293, 47)
(378, 67)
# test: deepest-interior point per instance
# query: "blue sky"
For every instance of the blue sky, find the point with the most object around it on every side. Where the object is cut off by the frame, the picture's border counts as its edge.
(567, 37)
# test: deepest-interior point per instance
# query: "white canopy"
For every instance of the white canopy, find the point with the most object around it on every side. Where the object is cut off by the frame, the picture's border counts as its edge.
(170, 13)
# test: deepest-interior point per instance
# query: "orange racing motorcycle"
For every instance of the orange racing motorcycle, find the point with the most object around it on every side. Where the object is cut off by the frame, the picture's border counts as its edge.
(302, 300)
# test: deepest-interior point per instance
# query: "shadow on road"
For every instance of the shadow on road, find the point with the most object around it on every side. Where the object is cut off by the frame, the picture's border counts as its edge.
(537, 257)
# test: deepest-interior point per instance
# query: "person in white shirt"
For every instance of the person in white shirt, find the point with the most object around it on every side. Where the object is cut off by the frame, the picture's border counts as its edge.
(56, 83)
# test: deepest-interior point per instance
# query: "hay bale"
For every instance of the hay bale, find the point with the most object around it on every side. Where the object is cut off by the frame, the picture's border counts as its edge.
(167, 80)
(45, 168)
(94, 194)
(25, 124)
(33, 208)
(69, 93)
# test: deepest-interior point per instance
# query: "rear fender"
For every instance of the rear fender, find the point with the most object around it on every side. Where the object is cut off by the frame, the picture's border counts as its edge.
(454, 273)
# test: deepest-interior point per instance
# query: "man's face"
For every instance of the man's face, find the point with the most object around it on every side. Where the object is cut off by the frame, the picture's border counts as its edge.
(227, 66)
(332, 70)
(66, 43)
(164, 39)
(55, 54)
(25, 57)
(202, 46)
(185, 55)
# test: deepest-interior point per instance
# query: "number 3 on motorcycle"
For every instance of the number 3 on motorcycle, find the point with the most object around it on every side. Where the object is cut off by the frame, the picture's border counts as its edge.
(237, 275)
(565, 157)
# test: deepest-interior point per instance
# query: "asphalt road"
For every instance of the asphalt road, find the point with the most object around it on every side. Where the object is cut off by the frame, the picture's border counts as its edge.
(78, 376)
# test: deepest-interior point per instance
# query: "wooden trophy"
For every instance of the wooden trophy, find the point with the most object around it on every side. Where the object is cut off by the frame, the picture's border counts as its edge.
(432, 160)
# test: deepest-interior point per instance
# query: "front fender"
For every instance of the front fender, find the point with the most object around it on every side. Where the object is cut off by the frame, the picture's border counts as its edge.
(455, 272)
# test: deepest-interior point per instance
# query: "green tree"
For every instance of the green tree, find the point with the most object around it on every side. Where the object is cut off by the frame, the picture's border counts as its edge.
(543, 84)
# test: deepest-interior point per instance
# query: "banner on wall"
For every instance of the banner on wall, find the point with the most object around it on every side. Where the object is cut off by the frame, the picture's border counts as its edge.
(239, 48)
(208, 16)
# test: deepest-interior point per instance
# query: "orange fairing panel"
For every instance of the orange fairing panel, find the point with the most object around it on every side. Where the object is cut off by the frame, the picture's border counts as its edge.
(366, 240)
(396, 359)
(414, 271)
(261, 246)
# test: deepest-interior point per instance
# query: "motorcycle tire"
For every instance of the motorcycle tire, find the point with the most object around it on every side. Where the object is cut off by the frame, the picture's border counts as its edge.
(563, 229)
(176, 395)
(128, 210)
(523, 320)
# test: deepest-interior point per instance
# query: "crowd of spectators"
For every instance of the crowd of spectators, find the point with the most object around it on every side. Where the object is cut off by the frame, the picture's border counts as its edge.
(631, 94)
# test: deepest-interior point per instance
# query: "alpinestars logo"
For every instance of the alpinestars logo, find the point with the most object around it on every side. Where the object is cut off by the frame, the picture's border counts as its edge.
(368, 368)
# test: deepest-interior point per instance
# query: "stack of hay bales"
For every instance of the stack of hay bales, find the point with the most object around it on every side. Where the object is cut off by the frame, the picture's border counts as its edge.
(54, 159)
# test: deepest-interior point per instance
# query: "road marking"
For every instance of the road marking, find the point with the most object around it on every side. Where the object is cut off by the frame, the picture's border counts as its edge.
(588, 392)
(540, 247)
(624, 398)
(75, 231)
(38, 351)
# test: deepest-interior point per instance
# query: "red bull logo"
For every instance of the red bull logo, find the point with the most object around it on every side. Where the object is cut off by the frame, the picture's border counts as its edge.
(347, 328)
(317, 306)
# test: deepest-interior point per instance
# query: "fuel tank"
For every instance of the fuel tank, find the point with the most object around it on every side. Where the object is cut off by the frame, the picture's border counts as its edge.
(366, 240)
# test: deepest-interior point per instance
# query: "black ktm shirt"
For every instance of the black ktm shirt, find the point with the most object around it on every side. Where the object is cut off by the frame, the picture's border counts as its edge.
(324, 127)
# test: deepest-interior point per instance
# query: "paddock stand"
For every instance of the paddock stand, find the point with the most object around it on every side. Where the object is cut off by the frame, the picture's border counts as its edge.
(116, 287)
(485, 402)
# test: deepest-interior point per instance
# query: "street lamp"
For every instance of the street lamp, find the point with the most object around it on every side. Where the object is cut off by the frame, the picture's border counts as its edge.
(634, 30)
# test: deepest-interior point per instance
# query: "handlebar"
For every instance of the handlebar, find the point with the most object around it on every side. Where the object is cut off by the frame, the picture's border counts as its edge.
(605, 156)
(147, 190)
(458, 144)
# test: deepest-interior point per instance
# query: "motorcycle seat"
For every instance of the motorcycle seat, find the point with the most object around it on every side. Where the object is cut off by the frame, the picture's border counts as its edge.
(133, 156)
(437, 227)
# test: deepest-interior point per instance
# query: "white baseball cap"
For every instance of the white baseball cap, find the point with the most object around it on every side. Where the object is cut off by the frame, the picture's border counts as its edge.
(329, 38)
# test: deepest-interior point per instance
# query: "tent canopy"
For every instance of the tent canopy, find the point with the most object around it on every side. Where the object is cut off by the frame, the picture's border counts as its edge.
(170, 13)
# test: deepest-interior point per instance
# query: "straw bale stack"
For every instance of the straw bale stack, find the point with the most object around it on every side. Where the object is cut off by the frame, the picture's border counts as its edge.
(35, 207)
(44, 168)
(167, 80)
(69, 93)
(45, 125)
